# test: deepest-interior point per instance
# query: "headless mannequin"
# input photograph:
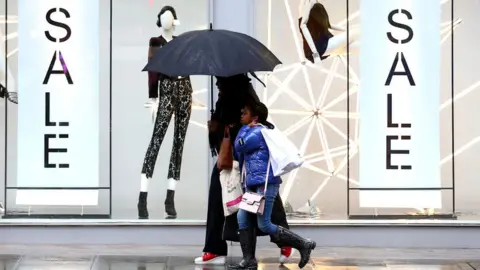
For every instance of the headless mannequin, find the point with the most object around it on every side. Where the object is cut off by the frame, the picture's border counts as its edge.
(167, 21)
(337, 44)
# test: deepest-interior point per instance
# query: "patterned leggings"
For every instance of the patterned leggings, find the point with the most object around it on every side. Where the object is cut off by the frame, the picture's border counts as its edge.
(175, 98)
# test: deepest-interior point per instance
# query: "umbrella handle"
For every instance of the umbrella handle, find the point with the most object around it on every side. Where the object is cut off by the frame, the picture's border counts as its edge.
(255, 76)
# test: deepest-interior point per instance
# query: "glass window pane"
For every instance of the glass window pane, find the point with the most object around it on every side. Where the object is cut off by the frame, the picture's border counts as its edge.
(132, 123)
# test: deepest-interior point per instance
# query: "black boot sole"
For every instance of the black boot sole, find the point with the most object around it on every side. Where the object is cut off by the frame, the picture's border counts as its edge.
(167, 216)
(241, 267)
(170, 212)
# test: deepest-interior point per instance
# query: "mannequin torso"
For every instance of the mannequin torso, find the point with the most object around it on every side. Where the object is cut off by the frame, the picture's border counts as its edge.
(167, 22)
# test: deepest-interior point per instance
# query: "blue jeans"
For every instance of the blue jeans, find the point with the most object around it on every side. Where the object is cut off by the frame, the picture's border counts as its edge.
(264, 221)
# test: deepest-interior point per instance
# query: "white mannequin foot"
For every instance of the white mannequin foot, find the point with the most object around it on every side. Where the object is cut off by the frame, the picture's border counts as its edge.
(144, 183)
(172, 184)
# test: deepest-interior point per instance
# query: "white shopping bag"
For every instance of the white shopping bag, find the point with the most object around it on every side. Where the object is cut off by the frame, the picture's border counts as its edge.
(231, 189)
(284, 155)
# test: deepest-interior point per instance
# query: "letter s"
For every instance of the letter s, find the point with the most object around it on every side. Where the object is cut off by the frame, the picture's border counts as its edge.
(58, 24)
(401, 26)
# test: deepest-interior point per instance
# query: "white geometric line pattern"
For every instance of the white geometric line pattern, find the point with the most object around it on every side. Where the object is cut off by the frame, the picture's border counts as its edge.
(316, 114)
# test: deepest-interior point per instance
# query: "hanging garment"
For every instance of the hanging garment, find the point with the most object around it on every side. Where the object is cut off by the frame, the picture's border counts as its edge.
(175, 98)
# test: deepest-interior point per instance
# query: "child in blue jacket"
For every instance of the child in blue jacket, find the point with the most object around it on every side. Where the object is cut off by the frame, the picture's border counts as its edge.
(253, 155)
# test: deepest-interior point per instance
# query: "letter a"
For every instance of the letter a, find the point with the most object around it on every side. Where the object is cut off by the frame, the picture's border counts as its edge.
(64, 69)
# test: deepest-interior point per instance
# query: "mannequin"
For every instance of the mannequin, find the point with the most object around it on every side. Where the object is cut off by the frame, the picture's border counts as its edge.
(318, 41)
(173, 96)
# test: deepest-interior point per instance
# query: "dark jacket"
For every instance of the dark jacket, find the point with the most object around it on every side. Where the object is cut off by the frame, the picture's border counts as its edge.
(237, 92)
(253, 156)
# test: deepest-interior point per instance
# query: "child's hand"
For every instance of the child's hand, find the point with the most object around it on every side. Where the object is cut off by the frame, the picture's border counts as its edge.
(253, 124)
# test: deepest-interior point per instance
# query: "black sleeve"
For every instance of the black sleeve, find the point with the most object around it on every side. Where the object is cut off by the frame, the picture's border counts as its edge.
(153, 76)
(218, 110)
(153, 84)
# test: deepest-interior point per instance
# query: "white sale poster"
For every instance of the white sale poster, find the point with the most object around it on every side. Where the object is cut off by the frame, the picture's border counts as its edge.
(399, 100)
(58, 110)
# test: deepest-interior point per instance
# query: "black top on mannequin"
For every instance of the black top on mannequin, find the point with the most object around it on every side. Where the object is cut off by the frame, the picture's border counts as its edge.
(154, 77)
(156, 43)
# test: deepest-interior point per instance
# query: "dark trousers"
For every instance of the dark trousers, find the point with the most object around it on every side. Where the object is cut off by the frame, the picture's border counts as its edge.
(175, 99)
(220, 228)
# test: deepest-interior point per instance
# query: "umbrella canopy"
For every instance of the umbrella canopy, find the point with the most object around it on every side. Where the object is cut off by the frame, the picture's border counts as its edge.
(212, 52)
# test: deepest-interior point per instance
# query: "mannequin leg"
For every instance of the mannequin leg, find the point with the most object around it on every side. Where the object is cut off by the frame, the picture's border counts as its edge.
(5, 73)
(183, 110)
(164, 115)
(337, 45)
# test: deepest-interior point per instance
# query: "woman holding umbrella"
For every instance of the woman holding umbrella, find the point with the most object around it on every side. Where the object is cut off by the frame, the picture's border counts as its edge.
(229, 56)
(234, 93)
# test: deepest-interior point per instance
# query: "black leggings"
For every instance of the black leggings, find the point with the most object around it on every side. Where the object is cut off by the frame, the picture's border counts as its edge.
(175, 98)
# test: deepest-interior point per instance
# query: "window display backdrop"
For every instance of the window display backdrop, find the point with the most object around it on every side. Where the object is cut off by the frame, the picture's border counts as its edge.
(309, 104)
(131, 123)
(294, 94)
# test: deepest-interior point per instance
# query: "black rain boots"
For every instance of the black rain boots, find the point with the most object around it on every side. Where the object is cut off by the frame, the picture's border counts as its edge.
(248, 243)
(170, 205)
(304, 246)
(142, 205)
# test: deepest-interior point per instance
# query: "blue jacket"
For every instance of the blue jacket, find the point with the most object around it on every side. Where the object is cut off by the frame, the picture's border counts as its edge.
(251, 150)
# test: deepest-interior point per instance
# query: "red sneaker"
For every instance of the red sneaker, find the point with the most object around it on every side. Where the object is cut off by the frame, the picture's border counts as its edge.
(209, 258)
(285, 254)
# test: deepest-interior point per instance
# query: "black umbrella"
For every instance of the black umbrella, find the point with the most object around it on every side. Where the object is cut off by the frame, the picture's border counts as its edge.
(220, 53)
